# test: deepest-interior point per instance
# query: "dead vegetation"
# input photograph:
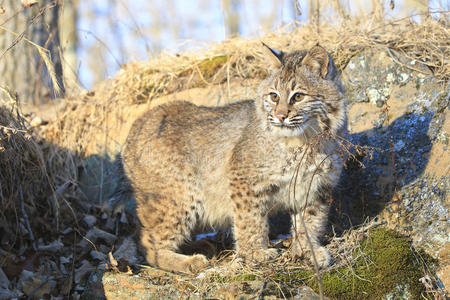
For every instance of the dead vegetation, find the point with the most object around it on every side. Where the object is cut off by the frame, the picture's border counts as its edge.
(36, 185)
(241, 59)
(26, 183)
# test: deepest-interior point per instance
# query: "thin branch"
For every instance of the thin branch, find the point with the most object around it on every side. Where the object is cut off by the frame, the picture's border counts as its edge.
(25, 217)
(119, 64)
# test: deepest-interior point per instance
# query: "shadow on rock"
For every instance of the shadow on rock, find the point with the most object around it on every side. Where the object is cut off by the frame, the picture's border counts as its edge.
(401, 153)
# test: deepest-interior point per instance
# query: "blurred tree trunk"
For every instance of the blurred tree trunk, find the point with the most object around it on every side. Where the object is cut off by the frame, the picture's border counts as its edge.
(314, 13)
(231, 18)
(69, 41)
(22, 68)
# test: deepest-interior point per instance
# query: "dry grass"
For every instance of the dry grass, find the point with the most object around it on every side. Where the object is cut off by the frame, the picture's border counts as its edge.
(23, 169)
(427, 42)
(96, 116)
(35, 176)
(43, 53)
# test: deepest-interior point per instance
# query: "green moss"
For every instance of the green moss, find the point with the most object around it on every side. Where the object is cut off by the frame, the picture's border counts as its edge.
(293, 276)
(238, 278)
(246, 277)
(386, 262)
(143, 95)
(385, 267)
(209, 66)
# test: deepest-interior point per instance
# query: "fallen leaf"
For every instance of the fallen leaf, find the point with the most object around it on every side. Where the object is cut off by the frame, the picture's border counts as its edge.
(30, 262)
(90, 220)
(4, 281)
(54, 246)
(82, 271)
(64, 260)
(112, 261)
(123, 218)
(127, 250)
(11, 265)
(36, 288)
(98, 255)
(67, 230)
(94, 234)
(7, 294)
(66, 286)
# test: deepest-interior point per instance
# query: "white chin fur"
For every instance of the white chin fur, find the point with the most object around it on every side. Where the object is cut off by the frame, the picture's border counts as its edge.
(308, 129)
(288, 132)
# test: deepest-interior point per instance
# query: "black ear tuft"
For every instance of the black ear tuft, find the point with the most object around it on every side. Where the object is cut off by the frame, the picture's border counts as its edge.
(275, 55)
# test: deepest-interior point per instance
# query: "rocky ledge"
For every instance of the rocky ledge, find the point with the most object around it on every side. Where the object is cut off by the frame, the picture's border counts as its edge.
(400, 112)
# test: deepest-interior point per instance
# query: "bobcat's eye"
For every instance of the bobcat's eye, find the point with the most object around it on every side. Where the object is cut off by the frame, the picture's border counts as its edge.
(274, 97)
(297, 97)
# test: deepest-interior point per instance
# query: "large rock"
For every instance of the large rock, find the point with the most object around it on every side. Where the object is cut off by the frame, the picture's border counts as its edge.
(398, 107)
(407, 180)
(398, 110)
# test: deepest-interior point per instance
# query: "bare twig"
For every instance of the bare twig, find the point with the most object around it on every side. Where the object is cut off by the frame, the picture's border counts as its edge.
(119, 64)
(299, 213)
(343, 150)
(25, 217)
(316, 265)
(260, 293)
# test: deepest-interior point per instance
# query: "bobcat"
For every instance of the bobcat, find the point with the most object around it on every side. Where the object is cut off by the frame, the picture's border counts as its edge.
(233, 165)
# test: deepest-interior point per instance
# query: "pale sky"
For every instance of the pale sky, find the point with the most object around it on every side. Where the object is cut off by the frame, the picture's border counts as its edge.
(125, 31)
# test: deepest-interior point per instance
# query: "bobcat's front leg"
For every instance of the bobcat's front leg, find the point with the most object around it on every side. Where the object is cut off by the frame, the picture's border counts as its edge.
(315, 218)
(251, 227)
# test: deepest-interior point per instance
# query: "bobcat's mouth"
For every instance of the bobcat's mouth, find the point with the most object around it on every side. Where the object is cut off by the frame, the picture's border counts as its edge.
(282, 125)
(292, 127)
(296, 122)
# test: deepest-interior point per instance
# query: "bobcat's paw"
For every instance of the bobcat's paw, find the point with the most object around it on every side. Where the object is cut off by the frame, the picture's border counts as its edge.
(296, 250)
(322, 255)
(195, 263)
(260, 255)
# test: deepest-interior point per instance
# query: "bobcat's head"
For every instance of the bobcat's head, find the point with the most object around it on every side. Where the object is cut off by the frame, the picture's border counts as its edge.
(303, 95)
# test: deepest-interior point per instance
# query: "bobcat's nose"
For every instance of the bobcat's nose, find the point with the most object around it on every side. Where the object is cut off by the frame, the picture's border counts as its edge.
(281, 117)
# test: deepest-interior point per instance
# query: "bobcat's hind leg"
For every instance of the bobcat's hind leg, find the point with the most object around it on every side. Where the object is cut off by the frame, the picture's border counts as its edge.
(171, 261)
(163, 230)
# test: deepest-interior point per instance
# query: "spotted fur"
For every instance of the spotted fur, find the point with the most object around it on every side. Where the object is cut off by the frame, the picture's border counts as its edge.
(234, 165)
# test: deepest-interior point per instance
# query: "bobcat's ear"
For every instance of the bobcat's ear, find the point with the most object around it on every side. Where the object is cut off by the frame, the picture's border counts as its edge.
(320, 63)
(275, 56)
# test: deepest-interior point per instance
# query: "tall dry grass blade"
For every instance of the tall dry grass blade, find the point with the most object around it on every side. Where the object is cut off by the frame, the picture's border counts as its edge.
(43, 53)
